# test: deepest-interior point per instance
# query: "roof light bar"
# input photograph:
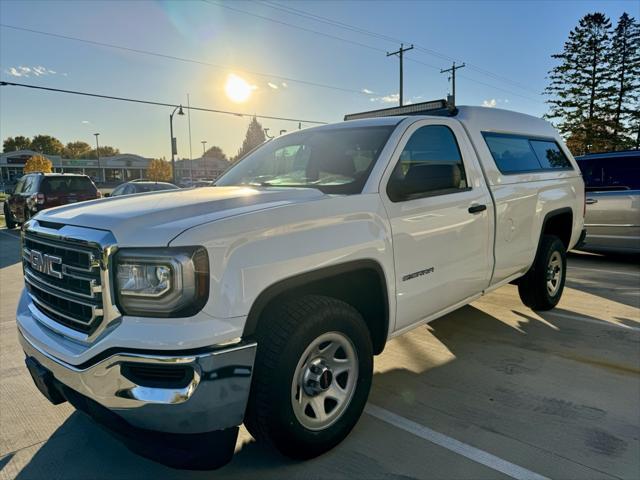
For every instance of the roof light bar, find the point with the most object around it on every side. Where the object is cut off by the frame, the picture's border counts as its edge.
(412, 109)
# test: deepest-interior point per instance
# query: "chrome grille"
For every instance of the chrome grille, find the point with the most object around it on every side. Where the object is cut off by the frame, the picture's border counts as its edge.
(64, 276)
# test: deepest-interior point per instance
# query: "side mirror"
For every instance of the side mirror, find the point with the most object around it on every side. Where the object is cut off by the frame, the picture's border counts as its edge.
(424, 178)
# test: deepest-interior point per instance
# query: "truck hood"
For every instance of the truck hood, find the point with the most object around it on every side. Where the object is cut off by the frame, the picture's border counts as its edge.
(155, 218)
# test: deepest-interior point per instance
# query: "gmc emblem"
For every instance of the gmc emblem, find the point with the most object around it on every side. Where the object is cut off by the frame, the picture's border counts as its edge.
(43, 263)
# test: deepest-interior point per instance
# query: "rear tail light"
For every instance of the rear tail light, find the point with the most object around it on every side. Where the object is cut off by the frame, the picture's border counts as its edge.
(41, 198)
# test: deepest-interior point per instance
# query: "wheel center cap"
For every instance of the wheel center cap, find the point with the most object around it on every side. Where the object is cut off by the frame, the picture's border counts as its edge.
(317, 378)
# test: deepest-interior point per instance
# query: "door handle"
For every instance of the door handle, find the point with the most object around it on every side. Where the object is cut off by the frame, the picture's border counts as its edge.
(590, 201)
(477, 208)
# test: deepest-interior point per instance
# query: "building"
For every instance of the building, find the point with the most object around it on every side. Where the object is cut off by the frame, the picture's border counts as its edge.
(111, 170)
(208, 168)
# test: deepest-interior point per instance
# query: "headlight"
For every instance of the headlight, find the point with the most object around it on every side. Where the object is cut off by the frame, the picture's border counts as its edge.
(162, 282)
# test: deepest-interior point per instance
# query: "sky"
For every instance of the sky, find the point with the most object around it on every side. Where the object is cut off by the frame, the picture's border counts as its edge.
(290, 64)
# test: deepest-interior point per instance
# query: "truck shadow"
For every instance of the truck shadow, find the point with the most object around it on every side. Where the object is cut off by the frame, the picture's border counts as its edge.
(510, 378)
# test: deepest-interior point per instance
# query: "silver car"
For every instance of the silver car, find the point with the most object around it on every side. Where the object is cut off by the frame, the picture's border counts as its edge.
(612, 218)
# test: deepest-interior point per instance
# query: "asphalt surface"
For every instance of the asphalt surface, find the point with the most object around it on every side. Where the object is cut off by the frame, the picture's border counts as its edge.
(492, 390)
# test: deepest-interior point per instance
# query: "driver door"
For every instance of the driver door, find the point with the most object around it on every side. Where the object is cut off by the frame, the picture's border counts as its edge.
(442, 225)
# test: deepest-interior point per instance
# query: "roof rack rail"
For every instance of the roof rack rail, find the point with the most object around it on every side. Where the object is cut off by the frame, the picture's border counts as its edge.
(435, 107)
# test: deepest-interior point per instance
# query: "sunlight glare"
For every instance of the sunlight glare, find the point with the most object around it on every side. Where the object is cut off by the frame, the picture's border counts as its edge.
(238, 89)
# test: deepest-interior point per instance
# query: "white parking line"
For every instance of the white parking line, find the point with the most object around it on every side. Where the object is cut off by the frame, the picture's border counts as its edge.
(472, 453)
(616, 272)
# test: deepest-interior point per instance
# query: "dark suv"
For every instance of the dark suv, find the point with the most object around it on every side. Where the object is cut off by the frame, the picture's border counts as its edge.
(38, 191)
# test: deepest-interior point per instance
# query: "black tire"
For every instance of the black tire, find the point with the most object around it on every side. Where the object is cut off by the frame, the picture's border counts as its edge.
(532, 288)
(8, 218)
(283, 335)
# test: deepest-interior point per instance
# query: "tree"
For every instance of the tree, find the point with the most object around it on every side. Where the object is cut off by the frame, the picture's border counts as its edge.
(77, 149)
(38, 163)
(624, 64)
(254, 137)
(215, 152)
(12, 144)
(47, 145)
(159, 170)
(580, 86)
(105, 151)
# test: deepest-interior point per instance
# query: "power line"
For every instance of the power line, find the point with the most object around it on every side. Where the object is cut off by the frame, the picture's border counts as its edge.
(353, 28)
(298, 27)
(159, 104)
(181, 59)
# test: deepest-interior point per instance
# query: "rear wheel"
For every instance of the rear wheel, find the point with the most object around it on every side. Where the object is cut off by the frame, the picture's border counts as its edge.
(542, 286)
(8, 218)
(312, 375)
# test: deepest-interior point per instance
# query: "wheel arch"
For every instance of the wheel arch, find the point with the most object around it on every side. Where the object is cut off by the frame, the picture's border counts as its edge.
(558, 222)
(360, 283)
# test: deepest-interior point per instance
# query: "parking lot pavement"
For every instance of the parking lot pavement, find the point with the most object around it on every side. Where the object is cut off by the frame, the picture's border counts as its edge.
(492, 390)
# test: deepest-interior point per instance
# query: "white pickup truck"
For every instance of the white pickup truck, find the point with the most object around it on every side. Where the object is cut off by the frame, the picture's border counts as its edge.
(174, 317)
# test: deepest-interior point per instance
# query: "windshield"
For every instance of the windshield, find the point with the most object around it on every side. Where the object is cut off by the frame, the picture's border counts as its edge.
(332, 160)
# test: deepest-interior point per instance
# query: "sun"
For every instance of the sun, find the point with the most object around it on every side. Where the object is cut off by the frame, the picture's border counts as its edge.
(238, 89)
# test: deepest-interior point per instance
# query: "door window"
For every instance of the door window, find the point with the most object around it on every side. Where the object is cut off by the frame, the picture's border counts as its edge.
(29, 184)
(430, 164)
(611, 173)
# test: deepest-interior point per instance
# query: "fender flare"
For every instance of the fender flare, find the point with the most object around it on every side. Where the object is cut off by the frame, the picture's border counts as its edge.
(549, 216)
(297, 281)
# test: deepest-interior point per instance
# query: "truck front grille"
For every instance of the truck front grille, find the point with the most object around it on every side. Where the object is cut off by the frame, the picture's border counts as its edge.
(63, 277)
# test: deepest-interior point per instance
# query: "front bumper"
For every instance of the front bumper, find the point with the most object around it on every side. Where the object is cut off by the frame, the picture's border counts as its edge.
(212, 395)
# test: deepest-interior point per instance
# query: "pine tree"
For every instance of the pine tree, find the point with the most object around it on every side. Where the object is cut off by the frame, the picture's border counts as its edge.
(624, 64)
(580, 88)
(254, 137)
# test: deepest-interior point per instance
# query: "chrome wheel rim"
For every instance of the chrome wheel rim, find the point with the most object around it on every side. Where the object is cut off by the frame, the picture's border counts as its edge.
(324, 381)
(554, 273)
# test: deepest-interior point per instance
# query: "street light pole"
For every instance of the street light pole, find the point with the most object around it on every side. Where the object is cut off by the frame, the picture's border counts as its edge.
(100, 176)
(174, 148)
(203, 142)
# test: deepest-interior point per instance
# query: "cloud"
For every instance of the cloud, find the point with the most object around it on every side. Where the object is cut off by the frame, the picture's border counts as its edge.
(273, 85)
(33, 71)
(284, 84)
(86, 122)
(367, 91)
(494, 102)
(392, 98)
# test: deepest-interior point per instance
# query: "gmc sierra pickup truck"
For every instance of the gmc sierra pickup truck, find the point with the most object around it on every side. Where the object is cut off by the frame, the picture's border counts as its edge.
(174, 317)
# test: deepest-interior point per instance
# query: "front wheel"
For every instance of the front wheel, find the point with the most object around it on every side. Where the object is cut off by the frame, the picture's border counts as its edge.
(542, 286)
(312, 375)
(8, 218)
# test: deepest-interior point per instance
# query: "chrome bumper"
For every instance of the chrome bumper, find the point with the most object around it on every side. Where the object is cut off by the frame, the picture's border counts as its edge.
(214, 398)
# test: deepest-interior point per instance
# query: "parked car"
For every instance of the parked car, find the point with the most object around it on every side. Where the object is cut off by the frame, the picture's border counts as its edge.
(612, 216)
(141, 186)
(264, 300)
(35, 192)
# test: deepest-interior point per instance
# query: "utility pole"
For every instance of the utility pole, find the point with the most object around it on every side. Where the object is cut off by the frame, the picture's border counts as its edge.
(100, 176)
(203, 142)
(190, 150)
(400, 53)
(453, 80)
